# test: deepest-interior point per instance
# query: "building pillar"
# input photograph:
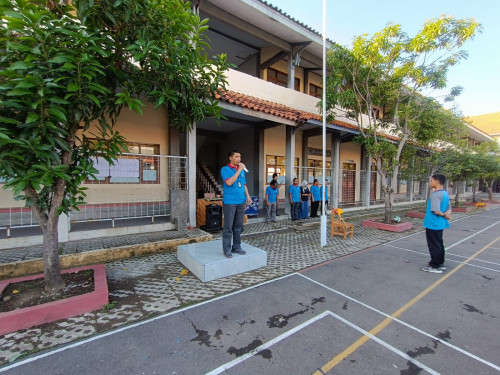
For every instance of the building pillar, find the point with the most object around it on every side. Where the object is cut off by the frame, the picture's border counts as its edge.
(191, 153)
(291, 71)
(335, 162)
(366, 159)
(259, 162)
(63, 228)
(290, 164)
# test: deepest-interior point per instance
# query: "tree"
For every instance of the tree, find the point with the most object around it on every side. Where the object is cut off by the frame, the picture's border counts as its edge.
(489, 161)
(380, 84)
(462, 165)
(65, 75)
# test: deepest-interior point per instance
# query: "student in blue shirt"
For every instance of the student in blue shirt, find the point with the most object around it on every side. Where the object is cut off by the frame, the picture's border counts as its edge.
(315, 198)
(271, 201)
(294, 192)
(437, 216)
(235, 198)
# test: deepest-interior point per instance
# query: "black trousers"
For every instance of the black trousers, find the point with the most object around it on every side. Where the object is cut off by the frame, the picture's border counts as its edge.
(314, 208)
(436, 246)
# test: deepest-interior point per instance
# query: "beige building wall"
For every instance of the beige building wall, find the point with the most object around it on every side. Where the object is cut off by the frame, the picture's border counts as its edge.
(151, 128)
(275, 144)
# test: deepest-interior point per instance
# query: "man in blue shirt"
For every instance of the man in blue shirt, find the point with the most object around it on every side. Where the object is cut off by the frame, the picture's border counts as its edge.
(234, 200)
(294, 192)
(437, 216)
(315, 198)
(271, 201)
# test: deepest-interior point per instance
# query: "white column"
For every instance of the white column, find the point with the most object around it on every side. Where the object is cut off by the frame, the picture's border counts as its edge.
(290, 164)
(63, 228)
(336, 169)
(191, 147)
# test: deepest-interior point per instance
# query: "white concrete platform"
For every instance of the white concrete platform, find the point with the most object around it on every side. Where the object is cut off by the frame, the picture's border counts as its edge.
(207, 262)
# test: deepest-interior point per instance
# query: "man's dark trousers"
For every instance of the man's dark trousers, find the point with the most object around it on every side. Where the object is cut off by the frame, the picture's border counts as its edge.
(295, 210)
(233, 226)
(314, 208)
(436, 246)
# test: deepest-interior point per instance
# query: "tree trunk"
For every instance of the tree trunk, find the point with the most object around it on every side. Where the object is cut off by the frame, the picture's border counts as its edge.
(52, 269)
(474, 193)
(490, 189)
(388, 200)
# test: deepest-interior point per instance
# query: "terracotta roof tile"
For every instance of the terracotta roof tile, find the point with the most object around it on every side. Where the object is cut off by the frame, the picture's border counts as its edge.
(276, 109)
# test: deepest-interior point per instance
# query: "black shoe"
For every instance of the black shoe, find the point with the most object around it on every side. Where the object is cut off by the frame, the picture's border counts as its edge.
(239, 251)
(228, 255)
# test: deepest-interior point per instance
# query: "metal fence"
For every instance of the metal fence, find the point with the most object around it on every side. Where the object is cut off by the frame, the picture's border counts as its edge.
(353, 189)
(136, 186)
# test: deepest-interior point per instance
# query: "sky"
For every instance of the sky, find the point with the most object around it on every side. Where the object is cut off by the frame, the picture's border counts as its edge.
(479, 75)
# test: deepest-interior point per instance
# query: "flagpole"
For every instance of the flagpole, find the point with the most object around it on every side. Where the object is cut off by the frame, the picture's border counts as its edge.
(323, 208)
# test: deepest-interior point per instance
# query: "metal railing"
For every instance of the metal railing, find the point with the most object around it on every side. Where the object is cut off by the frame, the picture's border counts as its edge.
(136, 186)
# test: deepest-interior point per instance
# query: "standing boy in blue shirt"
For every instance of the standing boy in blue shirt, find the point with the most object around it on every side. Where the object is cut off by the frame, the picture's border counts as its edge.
(437, 216)
(315, 198)
(294, 192)
(271, 201)
(234, 199)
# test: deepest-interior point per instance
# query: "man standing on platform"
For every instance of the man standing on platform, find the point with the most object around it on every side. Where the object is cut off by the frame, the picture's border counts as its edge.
(235, 200)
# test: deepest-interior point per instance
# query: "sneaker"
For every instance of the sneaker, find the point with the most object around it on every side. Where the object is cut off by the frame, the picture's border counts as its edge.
(228, 255)
(430, 269)
(442, 268)
(239, 251)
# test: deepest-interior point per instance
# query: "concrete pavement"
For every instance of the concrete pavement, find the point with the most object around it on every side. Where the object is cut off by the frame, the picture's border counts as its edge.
(149, 286)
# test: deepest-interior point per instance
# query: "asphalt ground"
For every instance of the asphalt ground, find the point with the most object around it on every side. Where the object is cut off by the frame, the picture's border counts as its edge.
(370, 312)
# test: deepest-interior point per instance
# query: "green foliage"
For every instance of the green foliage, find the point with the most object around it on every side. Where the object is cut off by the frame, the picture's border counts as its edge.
(380, 83)
(66, 73)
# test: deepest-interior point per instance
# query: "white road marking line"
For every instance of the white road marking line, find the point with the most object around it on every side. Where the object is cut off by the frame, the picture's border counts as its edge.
(307, 323)
(448, 259)
(473, 356)
(79, 343)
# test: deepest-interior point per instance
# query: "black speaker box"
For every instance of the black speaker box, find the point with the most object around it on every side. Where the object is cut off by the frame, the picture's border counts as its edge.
(213, 217)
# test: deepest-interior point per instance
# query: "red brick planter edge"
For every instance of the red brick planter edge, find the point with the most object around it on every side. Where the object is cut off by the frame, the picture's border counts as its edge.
(12, 321)
(395, 227)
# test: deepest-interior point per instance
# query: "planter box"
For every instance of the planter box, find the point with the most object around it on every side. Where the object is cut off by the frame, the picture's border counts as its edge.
(393, 227)
(463, 209)
(12, 321)
(492, 202)
(418, 215)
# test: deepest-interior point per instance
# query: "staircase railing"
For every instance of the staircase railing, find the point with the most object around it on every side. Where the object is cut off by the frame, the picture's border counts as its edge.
(205, 181)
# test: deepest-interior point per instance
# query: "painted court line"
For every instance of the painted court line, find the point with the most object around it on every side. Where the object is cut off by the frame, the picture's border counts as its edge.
(307, 323)
(402, 322)
(118, 330)
(448, 259)
(389, 319)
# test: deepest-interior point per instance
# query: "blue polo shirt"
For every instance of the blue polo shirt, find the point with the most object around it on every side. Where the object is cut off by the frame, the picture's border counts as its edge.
(234, 194)
(438, 201)
(321, 193)
(316, 193)
(295, 191)
(271, 194)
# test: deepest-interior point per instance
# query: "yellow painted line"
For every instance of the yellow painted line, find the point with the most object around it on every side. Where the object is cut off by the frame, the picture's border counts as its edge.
(374, 331)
